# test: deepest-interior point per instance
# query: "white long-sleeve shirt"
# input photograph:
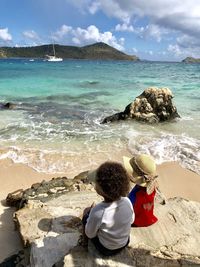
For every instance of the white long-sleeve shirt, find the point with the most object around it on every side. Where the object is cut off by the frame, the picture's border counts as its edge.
(111, 222)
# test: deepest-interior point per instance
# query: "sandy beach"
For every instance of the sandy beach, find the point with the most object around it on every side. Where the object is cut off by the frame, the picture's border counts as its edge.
(173, 179)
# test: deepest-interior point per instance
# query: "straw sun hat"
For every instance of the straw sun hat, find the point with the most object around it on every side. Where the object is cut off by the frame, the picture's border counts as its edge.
(142, 171)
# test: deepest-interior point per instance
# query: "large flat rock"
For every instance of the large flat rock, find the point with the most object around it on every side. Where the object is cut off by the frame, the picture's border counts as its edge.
(53, 230)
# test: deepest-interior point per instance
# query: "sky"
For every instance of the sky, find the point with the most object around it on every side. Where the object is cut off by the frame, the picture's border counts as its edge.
(166, 30)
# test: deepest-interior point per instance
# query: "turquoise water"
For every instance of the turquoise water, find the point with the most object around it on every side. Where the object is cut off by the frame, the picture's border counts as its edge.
(55, 124)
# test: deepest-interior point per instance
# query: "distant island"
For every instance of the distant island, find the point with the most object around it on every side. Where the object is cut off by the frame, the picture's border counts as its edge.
(94, 51)
(191, 60)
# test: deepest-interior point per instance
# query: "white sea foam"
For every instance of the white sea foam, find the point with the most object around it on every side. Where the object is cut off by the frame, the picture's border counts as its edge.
(168, 147)
(54, 147)
(65, 157)
(186, 118)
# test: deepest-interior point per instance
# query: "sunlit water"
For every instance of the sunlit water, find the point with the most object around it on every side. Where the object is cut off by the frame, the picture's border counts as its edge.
(55, 126)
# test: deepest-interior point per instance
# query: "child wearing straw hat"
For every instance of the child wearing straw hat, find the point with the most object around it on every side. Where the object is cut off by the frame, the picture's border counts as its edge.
(142, 171)
(108, 224)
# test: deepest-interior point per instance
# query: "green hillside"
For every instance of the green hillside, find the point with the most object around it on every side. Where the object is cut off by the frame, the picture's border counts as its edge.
(95, 51)
(191, 60)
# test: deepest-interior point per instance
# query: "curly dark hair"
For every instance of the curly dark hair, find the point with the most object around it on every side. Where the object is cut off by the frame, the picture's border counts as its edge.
(113, 181)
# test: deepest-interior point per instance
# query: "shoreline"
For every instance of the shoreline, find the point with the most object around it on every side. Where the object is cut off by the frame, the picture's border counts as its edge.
(173, 180)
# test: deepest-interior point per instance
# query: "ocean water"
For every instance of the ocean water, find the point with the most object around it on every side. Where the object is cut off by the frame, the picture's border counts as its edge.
(56, 123)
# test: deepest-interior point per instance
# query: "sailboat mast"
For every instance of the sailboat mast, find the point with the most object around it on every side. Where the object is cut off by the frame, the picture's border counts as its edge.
(54, 53)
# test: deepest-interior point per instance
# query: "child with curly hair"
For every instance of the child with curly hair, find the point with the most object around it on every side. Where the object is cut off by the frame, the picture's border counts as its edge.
(108, 224)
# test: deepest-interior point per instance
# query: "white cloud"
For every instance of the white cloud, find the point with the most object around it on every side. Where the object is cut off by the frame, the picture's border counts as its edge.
(124, 27)
(174, 15)
(185, 46)
(175, 49)
(94, 7)
(179, 15)
(165, 17)
(91, 34)
(5, 35)
(153, 31)
(134, 50)
(111, 8)
(122, 41)
(31, 35)
(62, 32)
(187, 41)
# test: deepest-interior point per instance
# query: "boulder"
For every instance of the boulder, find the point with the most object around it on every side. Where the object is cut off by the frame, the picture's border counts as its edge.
(7, 105)
(14, 199)
(153, 105)
(53, 232)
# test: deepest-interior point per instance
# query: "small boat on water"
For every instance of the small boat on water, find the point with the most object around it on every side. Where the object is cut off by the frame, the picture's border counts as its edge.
(54, 58)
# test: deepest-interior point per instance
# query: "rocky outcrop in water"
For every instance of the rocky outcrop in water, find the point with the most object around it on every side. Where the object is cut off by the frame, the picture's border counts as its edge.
(50, 227)
(191, 60)
(7, 105)
(153, 105)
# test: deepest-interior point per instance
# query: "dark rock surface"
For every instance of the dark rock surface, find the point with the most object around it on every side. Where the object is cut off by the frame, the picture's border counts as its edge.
(7, 105)
(21, 259)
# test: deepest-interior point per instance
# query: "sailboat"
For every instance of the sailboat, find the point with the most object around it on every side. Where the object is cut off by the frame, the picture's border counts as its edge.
(54, 58)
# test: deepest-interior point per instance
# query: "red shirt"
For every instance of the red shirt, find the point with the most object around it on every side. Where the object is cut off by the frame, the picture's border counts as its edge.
(143, 208)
